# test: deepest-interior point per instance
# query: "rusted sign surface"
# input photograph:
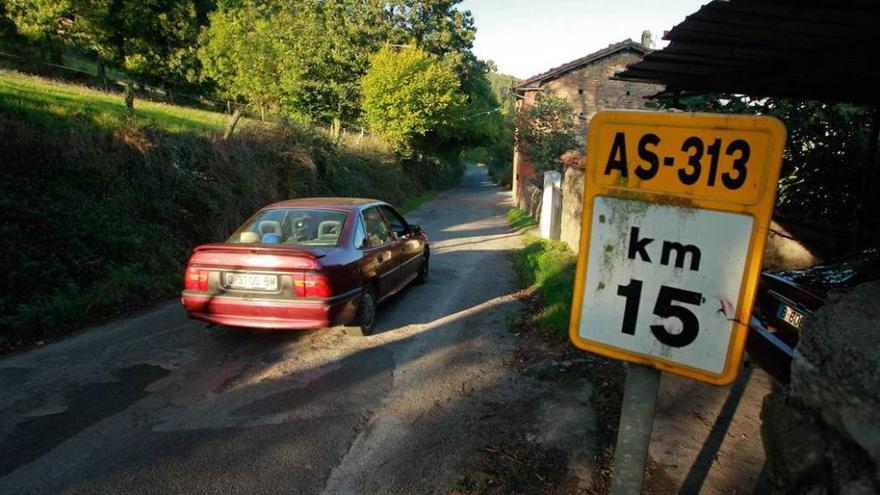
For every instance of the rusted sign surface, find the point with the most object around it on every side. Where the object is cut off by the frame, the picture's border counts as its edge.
(676, 213)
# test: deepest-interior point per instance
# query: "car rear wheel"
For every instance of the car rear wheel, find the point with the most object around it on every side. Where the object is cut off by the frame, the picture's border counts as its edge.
(366, 313)
(422, 277)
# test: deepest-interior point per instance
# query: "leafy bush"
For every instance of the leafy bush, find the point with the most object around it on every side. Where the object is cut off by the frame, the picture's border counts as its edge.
(548, 130)
(409, 93)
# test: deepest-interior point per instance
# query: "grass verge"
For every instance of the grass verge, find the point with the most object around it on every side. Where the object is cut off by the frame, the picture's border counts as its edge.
(416, 201)
(519, 219)
(54, 104)
(548, 268)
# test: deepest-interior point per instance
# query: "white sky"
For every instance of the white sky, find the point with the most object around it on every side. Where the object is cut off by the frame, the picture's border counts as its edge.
(527, 37)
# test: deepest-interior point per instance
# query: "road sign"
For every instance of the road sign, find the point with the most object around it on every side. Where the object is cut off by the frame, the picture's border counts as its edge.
(676, 213)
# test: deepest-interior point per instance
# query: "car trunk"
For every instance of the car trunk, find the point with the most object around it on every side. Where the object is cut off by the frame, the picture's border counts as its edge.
(256, 271)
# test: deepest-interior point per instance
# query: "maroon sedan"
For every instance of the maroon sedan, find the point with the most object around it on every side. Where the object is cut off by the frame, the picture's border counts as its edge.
(306, 263)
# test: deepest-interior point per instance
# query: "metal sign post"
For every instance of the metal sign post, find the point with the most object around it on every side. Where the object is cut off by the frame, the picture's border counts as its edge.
(676, 214)
(634, 433)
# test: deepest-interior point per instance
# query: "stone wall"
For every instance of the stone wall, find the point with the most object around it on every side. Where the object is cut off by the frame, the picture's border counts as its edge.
(530, 199)
(572, 207)
(822, 433)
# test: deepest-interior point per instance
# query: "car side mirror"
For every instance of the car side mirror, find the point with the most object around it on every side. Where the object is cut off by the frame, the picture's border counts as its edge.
(414, 229)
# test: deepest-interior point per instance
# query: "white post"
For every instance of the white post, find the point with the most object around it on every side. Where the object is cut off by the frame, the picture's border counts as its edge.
(550, 211)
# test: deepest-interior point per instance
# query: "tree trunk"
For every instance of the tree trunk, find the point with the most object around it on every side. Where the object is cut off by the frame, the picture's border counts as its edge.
(102, 74)
(335, 128)
(232, 123)
(56, 51)
(129, 104)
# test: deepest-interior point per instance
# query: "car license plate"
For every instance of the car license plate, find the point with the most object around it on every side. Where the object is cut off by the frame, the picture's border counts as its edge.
(790, 315)
(251, 281)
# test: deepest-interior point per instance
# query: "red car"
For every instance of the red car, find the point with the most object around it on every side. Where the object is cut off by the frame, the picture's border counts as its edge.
(306, 263)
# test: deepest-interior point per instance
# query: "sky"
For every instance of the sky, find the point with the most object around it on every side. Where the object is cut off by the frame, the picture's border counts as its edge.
(527, 37)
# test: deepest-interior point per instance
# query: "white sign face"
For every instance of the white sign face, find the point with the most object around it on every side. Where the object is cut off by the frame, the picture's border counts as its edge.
(663, 281)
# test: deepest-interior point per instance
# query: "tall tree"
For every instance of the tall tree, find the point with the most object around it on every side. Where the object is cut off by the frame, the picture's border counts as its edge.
(160, 40)
(312, 53)
(409, 94)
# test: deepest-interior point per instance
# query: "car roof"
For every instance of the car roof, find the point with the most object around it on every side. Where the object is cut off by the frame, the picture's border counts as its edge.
(333, 203)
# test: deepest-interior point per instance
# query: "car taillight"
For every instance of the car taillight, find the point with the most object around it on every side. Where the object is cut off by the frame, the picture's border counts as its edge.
(195, 279)
(310, 284)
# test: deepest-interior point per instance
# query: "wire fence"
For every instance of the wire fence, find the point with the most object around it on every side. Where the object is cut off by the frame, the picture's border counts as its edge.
(109, 83)
(351, 133)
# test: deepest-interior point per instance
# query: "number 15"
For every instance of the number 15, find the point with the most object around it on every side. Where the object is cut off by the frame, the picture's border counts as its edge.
(663, 308)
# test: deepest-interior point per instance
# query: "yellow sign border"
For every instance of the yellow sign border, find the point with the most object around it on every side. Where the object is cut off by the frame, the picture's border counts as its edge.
(761, 213)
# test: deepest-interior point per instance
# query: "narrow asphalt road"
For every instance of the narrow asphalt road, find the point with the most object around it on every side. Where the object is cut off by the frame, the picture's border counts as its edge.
(157, 403)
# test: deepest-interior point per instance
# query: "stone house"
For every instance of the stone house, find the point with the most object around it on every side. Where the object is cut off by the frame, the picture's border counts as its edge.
(587, 85)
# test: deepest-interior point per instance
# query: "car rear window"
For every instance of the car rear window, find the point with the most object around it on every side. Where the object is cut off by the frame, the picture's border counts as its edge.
(302, 227)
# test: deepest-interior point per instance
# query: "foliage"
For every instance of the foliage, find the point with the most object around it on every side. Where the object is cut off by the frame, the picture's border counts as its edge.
(237, 52)
(548, 267)
(502, 85)
(409, 93)
(826, 154)
(438, 26)
(546, 131)
(159, 43)
(153, 39)
(307, 57)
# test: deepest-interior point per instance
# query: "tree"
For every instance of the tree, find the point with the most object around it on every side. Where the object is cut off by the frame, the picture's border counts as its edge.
(409, 93)
(153, 39)
(239, 53)
(303, 57)
(160, 41)
(825, 170)
(546, 130)
(41, 22)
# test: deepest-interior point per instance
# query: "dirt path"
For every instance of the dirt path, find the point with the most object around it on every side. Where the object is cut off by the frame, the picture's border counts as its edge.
(157, 403)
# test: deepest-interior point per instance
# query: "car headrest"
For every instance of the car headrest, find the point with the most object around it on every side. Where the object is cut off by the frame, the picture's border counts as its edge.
(248, 237)
(271, 238)
(329, 228)
(269, 227)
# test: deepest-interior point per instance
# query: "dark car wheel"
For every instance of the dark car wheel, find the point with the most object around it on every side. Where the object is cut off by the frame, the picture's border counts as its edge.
(422, 277)
(366, 313)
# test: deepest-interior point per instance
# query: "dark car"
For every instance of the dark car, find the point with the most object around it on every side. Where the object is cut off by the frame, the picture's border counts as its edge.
(787, 299)
(305, 264)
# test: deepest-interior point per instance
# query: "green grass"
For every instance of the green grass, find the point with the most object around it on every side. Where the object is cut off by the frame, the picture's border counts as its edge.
(548, 267)
(54, 104)
(416, 201)
(519, 219)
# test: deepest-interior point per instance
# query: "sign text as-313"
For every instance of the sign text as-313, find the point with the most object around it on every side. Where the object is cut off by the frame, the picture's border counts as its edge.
(676, 214)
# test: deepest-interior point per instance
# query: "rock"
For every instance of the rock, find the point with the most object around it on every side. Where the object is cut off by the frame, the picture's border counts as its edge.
(793, 441)
(822, 433)
(836, 368)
